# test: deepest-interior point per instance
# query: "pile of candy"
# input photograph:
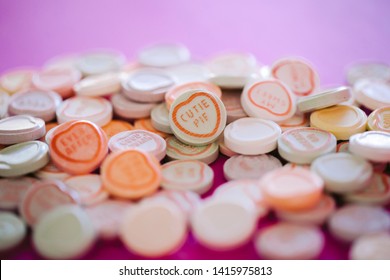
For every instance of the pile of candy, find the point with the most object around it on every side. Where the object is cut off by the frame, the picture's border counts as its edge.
(75, 174)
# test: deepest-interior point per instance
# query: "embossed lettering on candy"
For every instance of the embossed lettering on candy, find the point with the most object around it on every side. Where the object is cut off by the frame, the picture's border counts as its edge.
(139, 171)
(38, 103)
(269, 99)
(72, 142)
(197, 117)
(34, 100)
(141, 139)
(84, 107)
(78, 147)
(94, 109)
(307, 139)
(130, 174)
(136, 140)
(298, 74)
(303, 145)
(183, 149)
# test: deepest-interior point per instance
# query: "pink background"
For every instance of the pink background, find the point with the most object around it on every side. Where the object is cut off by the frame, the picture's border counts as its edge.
(331, 34)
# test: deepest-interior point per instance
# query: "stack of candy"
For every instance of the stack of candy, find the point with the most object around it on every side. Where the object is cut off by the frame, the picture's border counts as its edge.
(95, 147)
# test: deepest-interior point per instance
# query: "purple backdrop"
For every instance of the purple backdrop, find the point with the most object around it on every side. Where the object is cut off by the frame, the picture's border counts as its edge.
(331, 34)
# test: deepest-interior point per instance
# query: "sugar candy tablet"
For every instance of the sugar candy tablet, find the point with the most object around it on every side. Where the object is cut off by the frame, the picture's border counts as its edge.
(352, 100)
(296, 73)
(197, 117)
(342, 121)
(187, 201)
(147, 85)
(353, 221)
(146, 124)
(36, 103)
(23, 158)
(372, 93)
(324, 99)
(51, 171)
(116, 126)
(50, 133)
(16, 80)
(12, 191)
(107, 216)
(364, 70)
(371, 145)
(60, 79)
(303, 145)
(249, 188)
(232, 101)
(131, 174)
(268, 99)
(160, 118)
(251, 136)
(187, 175)
(44, 196)
(291, 188)
(296, 121)
(100, 61)
(285, 241)
(376, 193)
(154, 229)
(131, 66)
(342, 147)
(78, 147)
(292, 165)
(65, 232)
(95, 109)
(249, 167)
(343, 172)
(224, 223)
(99, 85)
(232, 70)
(374, 246)
(189, 72)
(128, 109)
(48, 127)
(61, 61)
(379, 119)
(4, 100)
(264, 71)
(178, 90)
(164, 55)
(316, 215)
(89, 188)
(223, 149)
(139, 139)
(12, 229)
(178, 150)
(20, 128)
